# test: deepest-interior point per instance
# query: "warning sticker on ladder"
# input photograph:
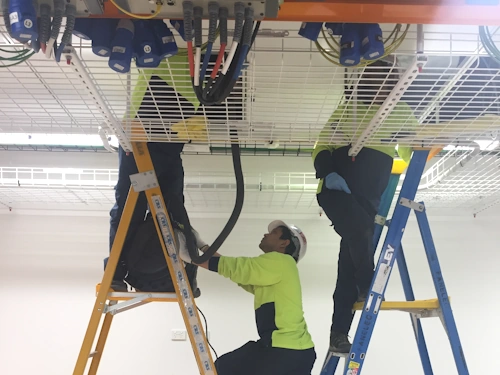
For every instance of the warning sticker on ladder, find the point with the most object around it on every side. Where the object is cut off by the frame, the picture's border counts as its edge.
(381, 278)
(352, 368)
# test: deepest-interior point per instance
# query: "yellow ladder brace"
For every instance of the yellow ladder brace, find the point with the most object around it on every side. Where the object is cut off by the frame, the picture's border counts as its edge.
(406, 306)
(183, 297)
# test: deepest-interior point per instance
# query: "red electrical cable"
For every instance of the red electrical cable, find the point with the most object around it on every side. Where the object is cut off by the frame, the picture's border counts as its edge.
(218, 61)
(191, 58)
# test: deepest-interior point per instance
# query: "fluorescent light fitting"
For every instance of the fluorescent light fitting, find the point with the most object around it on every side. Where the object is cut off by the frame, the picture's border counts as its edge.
(453, 147)
(487, 145)
(53, 139)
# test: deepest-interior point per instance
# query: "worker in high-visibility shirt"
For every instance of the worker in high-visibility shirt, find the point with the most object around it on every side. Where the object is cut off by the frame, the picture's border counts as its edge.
(285, 346)
(350, 188)
(159, 100)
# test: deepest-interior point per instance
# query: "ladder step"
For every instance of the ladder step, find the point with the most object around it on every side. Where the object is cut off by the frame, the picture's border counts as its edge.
(151, 296)
(406, 306)
(92, 354)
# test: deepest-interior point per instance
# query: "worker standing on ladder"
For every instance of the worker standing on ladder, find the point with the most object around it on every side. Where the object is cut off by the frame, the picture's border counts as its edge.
(350, 188)
(285, 346)
(160, 99)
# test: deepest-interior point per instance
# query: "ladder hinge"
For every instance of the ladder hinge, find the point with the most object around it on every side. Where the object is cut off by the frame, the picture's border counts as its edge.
(412, 205)
(144, 181)
(380, 220)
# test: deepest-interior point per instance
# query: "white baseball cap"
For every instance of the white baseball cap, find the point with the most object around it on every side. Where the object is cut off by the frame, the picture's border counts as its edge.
(298, 238)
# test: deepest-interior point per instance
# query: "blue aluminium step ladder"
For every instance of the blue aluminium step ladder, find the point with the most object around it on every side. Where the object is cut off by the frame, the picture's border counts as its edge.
(391, 251)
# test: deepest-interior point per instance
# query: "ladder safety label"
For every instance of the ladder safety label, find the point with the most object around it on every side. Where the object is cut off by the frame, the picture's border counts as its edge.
(14, 17)
(353, 364)
(381, 278)
(389, 252)
(353, 368)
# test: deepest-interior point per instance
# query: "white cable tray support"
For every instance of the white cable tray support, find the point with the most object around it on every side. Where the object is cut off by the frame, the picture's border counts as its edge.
(472, 182)
(445, 183)
(287, 94)
(445, 166)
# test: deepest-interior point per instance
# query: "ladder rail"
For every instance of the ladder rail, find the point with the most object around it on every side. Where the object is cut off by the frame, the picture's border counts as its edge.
(100, 302)
(386, 263)
(385, 205)
(415, 321)
(442, 293)
(183, 290)
(101, 341)
(144, 181)
(331, 361)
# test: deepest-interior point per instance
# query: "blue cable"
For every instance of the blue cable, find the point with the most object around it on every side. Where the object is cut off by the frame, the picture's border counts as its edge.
(243, 55)
(206, 59)
(59, 51)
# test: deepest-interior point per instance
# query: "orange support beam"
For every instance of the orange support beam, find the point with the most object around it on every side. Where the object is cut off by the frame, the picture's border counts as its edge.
(448, 12)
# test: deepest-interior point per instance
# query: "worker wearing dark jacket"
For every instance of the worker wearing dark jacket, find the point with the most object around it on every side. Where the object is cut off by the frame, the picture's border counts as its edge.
(285, 346)
(350, 190)
(160, 101)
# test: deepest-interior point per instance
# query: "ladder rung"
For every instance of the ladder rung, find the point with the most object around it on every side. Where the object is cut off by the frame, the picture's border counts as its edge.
(92, 354)
(153, 297)
(407, 306)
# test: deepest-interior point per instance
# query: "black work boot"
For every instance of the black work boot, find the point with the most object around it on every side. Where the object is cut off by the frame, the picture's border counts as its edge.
(363, 295)
(119, 286)
(339, 343)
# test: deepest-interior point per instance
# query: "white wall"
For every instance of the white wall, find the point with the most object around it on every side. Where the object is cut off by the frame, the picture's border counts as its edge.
(49, 266)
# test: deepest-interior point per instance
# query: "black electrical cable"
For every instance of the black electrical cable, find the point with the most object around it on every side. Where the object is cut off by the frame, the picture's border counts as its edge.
(206, 330)
(183, 217)
(216, 92)
(222, 82)
(214, 95)
(230, 87)
(240, 192)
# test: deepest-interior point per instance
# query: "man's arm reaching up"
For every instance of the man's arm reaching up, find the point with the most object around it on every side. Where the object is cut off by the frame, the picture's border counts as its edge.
(262, 270)
(215, 268)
